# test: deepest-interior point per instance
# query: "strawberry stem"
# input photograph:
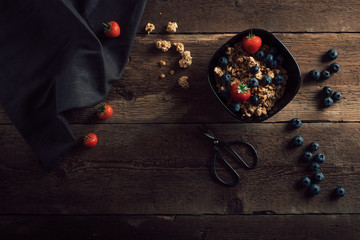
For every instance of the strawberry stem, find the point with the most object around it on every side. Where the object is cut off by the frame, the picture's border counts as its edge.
(242, 88)
(107, 26)
(251, 35)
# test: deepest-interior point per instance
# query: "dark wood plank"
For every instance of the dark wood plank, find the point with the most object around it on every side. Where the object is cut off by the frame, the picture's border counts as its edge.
(239, 15)
(165, 168)
(140, 96)
(182, 227)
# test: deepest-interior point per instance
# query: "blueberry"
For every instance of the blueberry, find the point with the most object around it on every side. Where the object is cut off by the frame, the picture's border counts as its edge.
(223, 61)
(305, 182)
(318, 177)
(279, 79)
(253, 82)
(225, 94)
(339, 192)
(295, 123)
(273, 51)
(254, 100)
(325, 74)
(308, 156)
(334, 67)
(331, 54)
(273, 64)
(235, 107)
(259, 55)
(336, 96)
(268, 58)
(314, 74)
(298, 140)
(254, 69)
(266, 80)
(226, 77)
(279, 59)
(328, 101)
(320, 158)
(314, 146)
(314, 166)
(326, 91)
(314, 189)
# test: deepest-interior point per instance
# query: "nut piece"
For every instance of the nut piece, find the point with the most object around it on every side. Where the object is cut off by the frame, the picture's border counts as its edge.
(162, 75)
(172, 72)
(179, 47)
(149, 28)
(171, 27)
(183, 82)
(186, 59)
(162, 63)
(163, 45)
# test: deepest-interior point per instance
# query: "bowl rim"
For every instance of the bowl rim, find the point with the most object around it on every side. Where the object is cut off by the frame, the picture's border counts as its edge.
(231, 42)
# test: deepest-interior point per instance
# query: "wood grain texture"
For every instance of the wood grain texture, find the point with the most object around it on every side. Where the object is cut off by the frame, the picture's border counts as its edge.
(238, 15)
(140, 96)
(165, 169)
(164, 227)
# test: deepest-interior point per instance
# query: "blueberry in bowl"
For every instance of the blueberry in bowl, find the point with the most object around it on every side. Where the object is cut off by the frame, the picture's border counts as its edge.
(268, 70)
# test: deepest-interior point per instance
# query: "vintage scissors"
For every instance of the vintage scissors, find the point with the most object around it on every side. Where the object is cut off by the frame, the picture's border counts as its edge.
(229, 146)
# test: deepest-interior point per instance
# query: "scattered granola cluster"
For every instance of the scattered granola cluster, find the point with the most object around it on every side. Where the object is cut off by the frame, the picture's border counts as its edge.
(149, 28)
(163, 45)
(186, 59)
(239, 66)
(171, 27)
(183, 82)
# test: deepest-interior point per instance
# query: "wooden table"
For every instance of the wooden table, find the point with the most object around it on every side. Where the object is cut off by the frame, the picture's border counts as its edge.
(149, 177)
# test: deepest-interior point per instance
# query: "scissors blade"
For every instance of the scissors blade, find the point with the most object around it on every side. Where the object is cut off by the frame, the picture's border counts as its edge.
(207, 132)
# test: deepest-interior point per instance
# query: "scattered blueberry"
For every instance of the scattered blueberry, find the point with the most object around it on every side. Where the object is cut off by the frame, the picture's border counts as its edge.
(314, 74)
(279, 79)
(259, 54)
(314, 146)
(268, 59)
(328, 101)
(318, 177)
(273, 51)
(314, 189)
(254, 69)
(336, 96)
(327, 91)
(254, 100)
(266, 80)
(279, 59)
(253, 82)
(332, 54)
(308, 156)
(334, 67)
(224, 94)
(325, 74)
(235, 107)
(305, 182)
(298, 140)
(320, 158)
(339, 192)
(295, 123)
(223, 61)
(314, 166)
(226, 77)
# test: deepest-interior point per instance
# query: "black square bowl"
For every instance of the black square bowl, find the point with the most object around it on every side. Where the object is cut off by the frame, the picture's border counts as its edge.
(290, 64)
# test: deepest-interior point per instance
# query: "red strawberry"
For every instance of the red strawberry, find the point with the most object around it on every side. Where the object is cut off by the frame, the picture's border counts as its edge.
(251, 43)
(239, 92)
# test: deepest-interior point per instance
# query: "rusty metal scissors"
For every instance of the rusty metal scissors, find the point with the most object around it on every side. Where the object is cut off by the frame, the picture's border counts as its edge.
(218, 145)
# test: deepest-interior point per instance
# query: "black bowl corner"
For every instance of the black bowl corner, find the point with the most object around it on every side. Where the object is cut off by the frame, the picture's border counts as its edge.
(290, 64)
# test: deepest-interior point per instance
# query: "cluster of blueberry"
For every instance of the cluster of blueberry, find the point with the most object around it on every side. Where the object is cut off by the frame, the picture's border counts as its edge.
(314, 166)
(329, 97)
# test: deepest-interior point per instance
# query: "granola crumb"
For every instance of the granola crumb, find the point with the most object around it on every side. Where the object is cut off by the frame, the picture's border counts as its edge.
(162, 63)
(179, 47)
(162, 75)
(172, 72)
(163, 45)
(149, 28)
(183, 82)
(186, 59)
(171, 27)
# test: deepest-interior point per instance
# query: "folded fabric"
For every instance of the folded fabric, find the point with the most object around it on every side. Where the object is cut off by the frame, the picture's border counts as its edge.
(54, 56)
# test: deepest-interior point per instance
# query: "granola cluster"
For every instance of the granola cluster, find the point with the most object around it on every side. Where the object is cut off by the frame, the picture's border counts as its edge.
(149, 28)
(171, 27)
(163, 45)
(239, 64)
